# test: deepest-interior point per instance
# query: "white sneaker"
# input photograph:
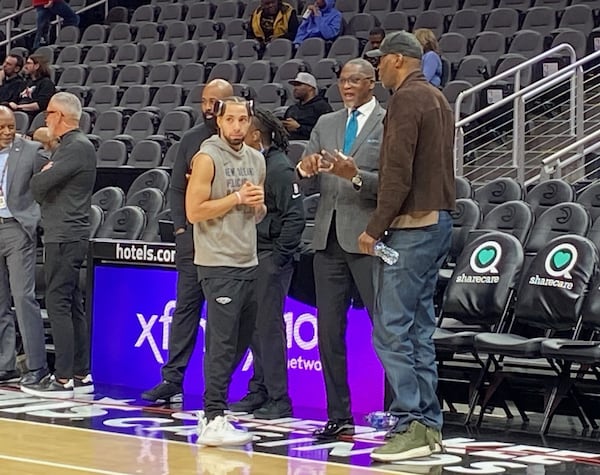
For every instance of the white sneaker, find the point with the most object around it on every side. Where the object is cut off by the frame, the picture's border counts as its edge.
(220, 432)
(83, 386)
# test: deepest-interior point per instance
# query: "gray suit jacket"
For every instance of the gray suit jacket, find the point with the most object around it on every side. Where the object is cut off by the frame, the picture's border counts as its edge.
(353, 208)
(23, 161)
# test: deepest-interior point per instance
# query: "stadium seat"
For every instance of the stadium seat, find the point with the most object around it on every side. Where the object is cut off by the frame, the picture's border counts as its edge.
(126, 223)
(548, 193)
(111, 153)
(109, 199)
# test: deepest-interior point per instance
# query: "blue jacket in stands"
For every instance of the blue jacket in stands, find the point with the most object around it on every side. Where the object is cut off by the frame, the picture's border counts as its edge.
(327, 25)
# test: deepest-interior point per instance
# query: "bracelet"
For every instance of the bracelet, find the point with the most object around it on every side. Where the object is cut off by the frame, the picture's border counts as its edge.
(239, 197)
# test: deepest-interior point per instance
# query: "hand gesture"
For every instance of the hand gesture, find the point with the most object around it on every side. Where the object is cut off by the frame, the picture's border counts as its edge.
(311, 164)
(251, 195)
(338, 164)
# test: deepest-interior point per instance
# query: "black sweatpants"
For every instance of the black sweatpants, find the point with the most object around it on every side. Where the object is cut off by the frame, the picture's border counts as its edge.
(231, 316)
(269, 345)
(186, 318)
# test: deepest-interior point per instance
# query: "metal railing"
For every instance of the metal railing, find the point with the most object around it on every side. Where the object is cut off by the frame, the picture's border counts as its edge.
(8, 20)
(515, 134)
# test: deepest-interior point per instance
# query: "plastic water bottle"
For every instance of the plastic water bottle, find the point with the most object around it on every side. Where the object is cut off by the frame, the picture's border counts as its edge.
(386, 253)
(381, 420)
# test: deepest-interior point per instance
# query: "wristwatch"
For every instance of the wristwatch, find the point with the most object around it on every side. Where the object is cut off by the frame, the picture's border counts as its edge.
(357, 182)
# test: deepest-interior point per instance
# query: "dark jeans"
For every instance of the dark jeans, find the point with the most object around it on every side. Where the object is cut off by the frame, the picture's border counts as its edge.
(335, 271)
(269, 345)
(64, 302)
(186, 318)
(231, 317)
(404, 320)
(17, 277)
(45, 16)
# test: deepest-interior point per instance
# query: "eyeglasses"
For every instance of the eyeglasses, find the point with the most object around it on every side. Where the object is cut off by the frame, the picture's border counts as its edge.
(48, 112)
(353, 80)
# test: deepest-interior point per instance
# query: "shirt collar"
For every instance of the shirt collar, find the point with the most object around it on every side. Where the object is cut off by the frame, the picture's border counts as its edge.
(366, 109)
(6, 150)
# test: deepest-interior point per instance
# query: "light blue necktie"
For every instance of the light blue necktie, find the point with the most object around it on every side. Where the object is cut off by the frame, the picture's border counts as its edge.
(351, 130)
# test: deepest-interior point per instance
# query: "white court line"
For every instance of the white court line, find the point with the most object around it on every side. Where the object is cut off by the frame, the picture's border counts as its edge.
(60, 465)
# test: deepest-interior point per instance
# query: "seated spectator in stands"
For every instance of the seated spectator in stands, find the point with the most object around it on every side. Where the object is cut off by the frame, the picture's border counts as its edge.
(321, 20)
(10, 78)
(300, 118)
(376, 36)
(38, 89)
(42, 135)
(431, 62)
(273, 19)
(46, 11)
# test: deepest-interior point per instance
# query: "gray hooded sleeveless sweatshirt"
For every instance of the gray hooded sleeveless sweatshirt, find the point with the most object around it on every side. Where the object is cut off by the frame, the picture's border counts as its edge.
(230, 240)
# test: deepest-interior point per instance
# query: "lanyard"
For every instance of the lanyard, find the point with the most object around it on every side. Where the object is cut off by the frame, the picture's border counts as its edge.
(5, 169)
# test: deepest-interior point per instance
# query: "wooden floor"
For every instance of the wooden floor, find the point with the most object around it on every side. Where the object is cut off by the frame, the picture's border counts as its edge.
(30, 448)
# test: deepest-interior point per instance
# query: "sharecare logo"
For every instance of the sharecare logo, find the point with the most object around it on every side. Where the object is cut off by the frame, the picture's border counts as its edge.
(144, 253)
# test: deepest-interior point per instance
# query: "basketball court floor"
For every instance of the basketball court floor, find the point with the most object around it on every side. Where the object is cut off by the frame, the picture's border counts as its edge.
(113, 433)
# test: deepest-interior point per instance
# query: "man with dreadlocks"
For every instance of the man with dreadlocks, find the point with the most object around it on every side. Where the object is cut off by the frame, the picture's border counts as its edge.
(278, 238)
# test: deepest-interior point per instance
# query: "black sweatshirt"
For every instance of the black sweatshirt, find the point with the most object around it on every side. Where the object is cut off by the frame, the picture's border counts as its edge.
(64, 191)
(10, 89)
(307, 115)
(188, 147)
(282, 227)
(38, 90)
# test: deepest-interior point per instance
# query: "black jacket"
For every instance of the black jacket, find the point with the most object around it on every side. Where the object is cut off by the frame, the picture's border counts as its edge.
(188, 147)
(64, 191)
(307, 115)
(282, 227)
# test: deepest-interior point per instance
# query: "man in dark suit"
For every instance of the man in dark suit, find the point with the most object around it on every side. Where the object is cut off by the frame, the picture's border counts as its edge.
(19, 217)
(348, 184)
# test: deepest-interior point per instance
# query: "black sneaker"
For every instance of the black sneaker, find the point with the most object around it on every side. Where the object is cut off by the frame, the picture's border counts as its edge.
(274, 410)
(32, 378)
(164, 392)
(335, 428)
(10, 376)
(51, 388)
(83, 385)
(249, 403)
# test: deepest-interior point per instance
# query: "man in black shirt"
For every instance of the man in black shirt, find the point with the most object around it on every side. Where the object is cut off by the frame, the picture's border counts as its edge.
(39, 88)
(64, 189)
(300, 118)
(12, 82)
(186, 318)
(277, 241)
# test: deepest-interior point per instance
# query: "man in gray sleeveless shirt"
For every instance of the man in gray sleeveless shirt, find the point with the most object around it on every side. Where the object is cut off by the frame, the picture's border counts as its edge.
(224, 201)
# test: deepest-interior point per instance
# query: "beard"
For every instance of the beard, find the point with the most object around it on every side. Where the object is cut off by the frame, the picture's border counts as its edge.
(210, 121)
(234, 142)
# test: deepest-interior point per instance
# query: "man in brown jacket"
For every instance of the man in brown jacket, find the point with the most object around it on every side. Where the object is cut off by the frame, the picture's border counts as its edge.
(416, 190)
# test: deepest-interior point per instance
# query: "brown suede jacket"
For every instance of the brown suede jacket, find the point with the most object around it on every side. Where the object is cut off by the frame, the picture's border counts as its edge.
(416, 168)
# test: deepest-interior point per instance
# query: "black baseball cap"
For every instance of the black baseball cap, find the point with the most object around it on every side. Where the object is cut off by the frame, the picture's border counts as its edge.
(399, 42)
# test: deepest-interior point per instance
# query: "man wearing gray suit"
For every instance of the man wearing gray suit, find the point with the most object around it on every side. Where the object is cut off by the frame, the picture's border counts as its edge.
(344, 151)
(19, 216)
